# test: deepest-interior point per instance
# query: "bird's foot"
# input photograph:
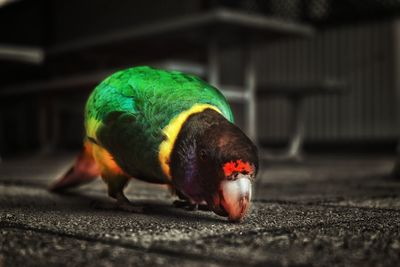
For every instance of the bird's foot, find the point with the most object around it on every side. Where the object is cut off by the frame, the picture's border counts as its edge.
(125, 205)
(122, 206)
(129, 207)
(184, 204)
(187, 205)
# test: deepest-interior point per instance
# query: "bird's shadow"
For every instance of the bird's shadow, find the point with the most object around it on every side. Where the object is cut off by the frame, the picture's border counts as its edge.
(151, 207)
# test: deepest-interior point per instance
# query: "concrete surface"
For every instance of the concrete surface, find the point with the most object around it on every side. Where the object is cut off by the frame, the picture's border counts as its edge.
(328, 211)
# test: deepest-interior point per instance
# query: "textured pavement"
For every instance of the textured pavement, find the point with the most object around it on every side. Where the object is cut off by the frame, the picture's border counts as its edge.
(327, 211)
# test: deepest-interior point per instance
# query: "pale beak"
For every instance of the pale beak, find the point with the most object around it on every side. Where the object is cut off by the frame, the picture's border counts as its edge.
(235, 196)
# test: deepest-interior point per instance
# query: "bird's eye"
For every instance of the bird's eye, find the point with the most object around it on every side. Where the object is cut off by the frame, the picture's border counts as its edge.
(203, 154)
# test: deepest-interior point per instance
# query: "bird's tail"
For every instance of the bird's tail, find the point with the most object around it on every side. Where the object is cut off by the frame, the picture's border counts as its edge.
(84, 170)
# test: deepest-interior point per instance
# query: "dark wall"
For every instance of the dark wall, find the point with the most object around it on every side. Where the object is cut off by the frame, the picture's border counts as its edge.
(23, 22)
(362, 114)
(79, 19)
(46, 22)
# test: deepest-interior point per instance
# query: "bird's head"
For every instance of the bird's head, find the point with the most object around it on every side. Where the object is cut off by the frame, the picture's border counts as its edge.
(228, 166)
(219, 167)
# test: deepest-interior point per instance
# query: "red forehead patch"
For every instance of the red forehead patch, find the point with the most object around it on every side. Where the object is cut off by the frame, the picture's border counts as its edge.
(236, 166)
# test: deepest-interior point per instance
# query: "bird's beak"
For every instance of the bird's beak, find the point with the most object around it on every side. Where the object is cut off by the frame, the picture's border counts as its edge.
(235, 196)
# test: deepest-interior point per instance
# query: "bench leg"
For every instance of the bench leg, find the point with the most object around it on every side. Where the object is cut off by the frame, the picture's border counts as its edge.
(213, 63)
(298, 122)
(55, 125)
(250, 81)
(42, 127)
(44, 122)
(396, 170)
(2, 124)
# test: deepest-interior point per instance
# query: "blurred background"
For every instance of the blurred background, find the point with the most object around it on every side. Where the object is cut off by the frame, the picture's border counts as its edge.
(315, 83)
(320, 71)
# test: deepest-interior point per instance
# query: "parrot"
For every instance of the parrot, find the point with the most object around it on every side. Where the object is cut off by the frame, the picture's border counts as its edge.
(165, 127)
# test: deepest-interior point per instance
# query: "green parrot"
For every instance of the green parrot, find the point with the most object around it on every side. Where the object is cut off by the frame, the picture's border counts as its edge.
(170, 128)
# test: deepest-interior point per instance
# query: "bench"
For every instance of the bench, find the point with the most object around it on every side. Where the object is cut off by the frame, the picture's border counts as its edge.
(296, 94)
(208, 32)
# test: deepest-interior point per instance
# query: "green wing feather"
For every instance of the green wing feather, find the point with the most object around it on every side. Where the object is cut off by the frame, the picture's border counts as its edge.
(127, 112)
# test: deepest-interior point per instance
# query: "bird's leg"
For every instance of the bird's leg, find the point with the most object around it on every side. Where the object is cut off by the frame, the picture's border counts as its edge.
(114, 177)
(184, 203)
(124, 204)
(116, 185)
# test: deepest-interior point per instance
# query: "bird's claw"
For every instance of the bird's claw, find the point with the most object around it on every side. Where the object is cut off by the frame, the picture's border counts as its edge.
(124, 204)
(187, 205)
(129, 207)
(184, 204)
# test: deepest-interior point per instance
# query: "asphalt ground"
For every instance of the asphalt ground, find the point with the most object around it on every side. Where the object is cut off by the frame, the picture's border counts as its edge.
(325, 211)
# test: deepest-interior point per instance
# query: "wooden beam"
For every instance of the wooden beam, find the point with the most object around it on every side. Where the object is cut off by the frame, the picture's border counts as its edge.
(30, 55)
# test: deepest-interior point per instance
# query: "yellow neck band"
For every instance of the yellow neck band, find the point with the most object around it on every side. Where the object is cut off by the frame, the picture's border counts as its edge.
(171, 132)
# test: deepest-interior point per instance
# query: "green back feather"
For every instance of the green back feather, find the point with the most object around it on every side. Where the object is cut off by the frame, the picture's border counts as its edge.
(132, 106)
